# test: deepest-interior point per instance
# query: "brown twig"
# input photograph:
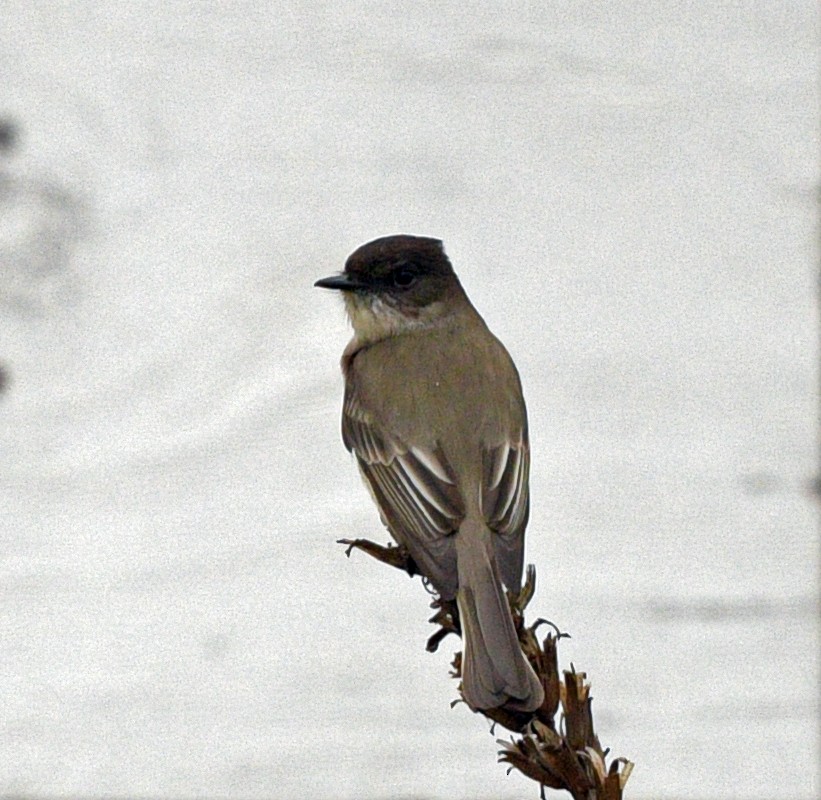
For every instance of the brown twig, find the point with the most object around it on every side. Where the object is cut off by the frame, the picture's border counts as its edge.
(557, 745)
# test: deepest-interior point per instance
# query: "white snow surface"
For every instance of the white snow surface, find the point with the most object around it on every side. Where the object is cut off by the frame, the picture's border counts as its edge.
(628, 192)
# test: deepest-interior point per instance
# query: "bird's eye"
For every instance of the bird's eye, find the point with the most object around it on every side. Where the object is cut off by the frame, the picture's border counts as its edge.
(403, 278)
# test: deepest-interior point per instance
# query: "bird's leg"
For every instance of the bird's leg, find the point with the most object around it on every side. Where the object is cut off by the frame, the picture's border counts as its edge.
(394, 556)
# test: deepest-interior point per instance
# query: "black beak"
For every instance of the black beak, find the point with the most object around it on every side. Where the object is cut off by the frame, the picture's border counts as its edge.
(343, 282)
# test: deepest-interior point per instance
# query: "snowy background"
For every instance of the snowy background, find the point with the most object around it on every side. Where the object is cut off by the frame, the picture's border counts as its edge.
(628, 192)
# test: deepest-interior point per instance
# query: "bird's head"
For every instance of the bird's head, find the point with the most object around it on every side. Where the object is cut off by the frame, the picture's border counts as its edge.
(397, 284)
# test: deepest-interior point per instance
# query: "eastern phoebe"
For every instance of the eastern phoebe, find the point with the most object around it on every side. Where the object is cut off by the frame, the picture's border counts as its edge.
(433, 411)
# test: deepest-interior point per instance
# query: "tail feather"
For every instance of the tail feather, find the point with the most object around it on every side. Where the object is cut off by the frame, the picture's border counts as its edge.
(495, 672)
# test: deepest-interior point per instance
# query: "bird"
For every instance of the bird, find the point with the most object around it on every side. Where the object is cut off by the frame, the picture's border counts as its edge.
(434, 413)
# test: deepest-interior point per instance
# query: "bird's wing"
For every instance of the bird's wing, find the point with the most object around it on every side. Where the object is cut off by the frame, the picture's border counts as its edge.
(506, 503)
(415, 490)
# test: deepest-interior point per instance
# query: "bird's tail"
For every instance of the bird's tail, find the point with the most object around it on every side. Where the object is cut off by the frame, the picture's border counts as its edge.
(495, 672)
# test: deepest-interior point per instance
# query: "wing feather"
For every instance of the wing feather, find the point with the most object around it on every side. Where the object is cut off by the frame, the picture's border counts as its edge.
(506, 504)
(415, 490)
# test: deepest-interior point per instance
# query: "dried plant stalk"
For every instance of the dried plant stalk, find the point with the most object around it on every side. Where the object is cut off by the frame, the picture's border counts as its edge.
(556, 746)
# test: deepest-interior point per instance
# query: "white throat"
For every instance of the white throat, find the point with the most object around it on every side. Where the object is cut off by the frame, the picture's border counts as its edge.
(374, 318)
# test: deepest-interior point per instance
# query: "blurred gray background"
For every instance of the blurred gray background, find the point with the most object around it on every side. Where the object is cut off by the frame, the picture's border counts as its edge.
(628, 192)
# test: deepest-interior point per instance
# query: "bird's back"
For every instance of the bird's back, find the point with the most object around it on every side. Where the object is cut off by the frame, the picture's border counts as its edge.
(439, 369)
